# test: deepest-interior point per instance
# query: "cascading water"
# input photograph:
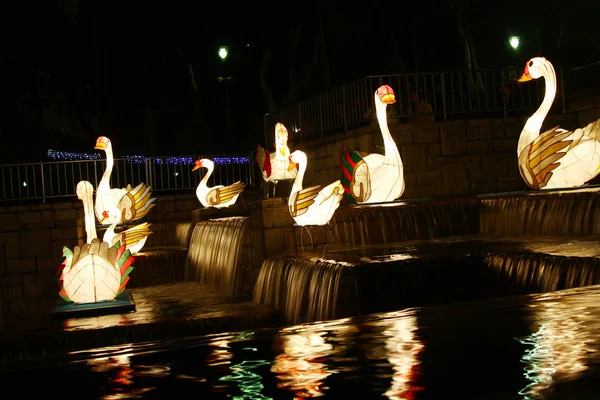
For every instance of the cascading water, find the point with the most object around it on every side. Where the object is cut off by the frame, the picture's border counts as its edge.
(568, 213)
(308, 290)
(365, 225)
(545, 273)
(169, 234)
(215, 254)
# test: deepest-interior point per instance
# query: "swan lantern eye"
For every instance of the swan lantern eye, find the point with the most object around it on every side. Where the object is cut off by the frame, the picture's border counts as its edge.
(531, 63)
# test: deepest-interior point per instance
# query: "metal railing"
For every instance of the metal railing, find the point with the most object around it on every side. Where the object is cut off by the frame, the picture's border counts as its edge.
(438, 95)
(56, 179)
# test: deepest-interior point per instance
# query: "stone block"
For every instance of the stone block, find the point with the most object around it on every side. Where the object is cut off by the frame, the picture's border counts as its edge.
(453, 141)
(20, 265)
(472, 133)
(426, 136)
(65, 233)
(65, 214)
(11, 280)
(31, 217)
(18, 209)
(282, 217)
(506, 144)
(456, 181)
(434, 149)
(39, 285)
(48, 263)
(426, 178)
(401, 137)
(65, 205)
(35, 243)
(186, 205)
(40, 207)
(414, 156)
(410, 178)
(11, 228)
(513, 130)
(12, 246)
(2, 259)
(57, 246)
(8, 219)
(475, 174)
(481, 146)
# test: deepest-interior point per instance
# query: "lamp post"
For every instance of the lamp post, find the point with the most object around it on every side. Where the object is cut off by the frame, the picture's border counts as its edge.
(223, 54)
(514, 42)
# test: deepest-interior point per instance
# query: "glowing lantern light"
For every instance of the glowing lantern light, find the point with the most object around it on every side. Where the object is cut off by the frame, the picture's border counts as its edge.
(514, 42)
(96, 271)
(217, 196)
(375, 178)
(114, 206)
(275, 166)
(223, 52)
(556, 158)
(314, 205)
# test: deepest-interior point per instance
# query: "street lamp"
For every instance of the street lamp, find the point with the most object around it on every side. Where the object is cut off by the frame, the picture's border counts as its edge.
(514, 42)
(223, 52)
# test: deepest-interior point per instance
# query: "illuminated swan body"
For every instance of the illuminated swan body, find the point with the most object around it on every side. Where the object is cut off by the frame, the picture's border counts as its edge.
(275, 166)
(95, 271)
(115, 206)
(375, 178)
(314, 205)
(217, 196)
(556, 158)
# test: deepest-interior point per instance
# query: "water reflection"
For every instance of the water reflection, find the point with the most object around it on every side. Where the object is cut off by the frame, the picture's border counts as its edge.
(120, 374)
(301, 368)
(403, 350)
(562, 344)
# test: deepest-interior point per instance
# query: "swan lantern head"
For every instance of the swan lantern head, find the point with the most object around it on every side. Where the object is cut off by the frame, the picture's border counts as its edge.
(386, 94)
(533, 69)
(203, 163)
(102, 143)
(82, 189)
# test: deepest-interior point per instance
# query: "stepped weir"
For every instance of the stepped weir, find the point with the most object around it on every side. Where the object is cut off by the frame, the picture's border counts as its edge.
(403, 254)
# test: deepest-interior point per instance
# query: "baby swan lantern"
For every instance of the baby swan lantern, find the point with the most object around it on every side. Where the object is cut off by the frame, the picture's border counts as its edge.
(375, 178)
(314, 205)
(556, 158)
(275, 166)
(96, 271)
(115, 206)
(217, 196)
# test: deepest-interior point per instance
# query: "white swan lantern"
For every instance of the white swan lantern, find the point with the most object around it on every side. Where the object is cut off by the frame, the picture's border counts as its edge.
(375, 178)
(218, 196)
(96, 271)
(556, 158)
(314, 205)
(116, 206)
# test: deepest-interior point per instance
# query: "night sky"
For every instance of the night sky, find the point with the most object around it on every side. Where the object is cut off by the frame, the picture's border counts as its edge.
(145, 73)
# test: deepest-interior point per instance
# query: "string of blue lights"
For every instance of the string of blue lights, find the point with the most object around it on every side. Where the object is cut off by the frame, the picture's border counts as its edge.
(55, 155)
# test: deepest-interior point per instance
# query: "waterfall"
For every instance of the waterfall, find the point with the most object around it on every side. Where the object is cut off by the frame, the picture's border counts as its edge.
(567, 213)
(215, 254)
(545, 273)
(308, 290)
(169, 234)
(364, 225)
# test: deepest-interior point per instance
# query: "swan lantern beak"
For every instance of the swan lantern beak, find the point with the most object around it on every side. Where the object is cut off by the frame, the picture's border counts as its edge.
(100, 146)
(291, 166)
(525, 77)
(198, 165)
(388, 98)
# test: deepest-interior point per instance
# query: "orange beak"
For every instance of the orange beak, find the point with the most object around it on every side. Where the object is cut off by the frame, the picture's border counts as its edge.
(291, 166)
(526, 76)
(388, 98)
(197, 166)
(100, 143)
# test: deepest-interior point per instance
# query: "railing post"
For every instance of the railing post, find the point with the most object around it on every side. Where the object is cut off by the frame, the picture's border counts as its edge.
(344, 100)
(43, 182)
(444, 96)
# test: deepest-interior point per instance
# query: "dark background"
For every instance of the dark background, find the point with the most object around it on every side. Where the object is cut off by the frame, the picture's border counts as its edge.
(145, 73)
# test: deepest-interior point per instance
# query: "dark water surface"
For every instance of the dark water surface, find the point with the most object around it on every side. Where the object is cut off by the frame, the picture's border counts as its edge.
(543, 346)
